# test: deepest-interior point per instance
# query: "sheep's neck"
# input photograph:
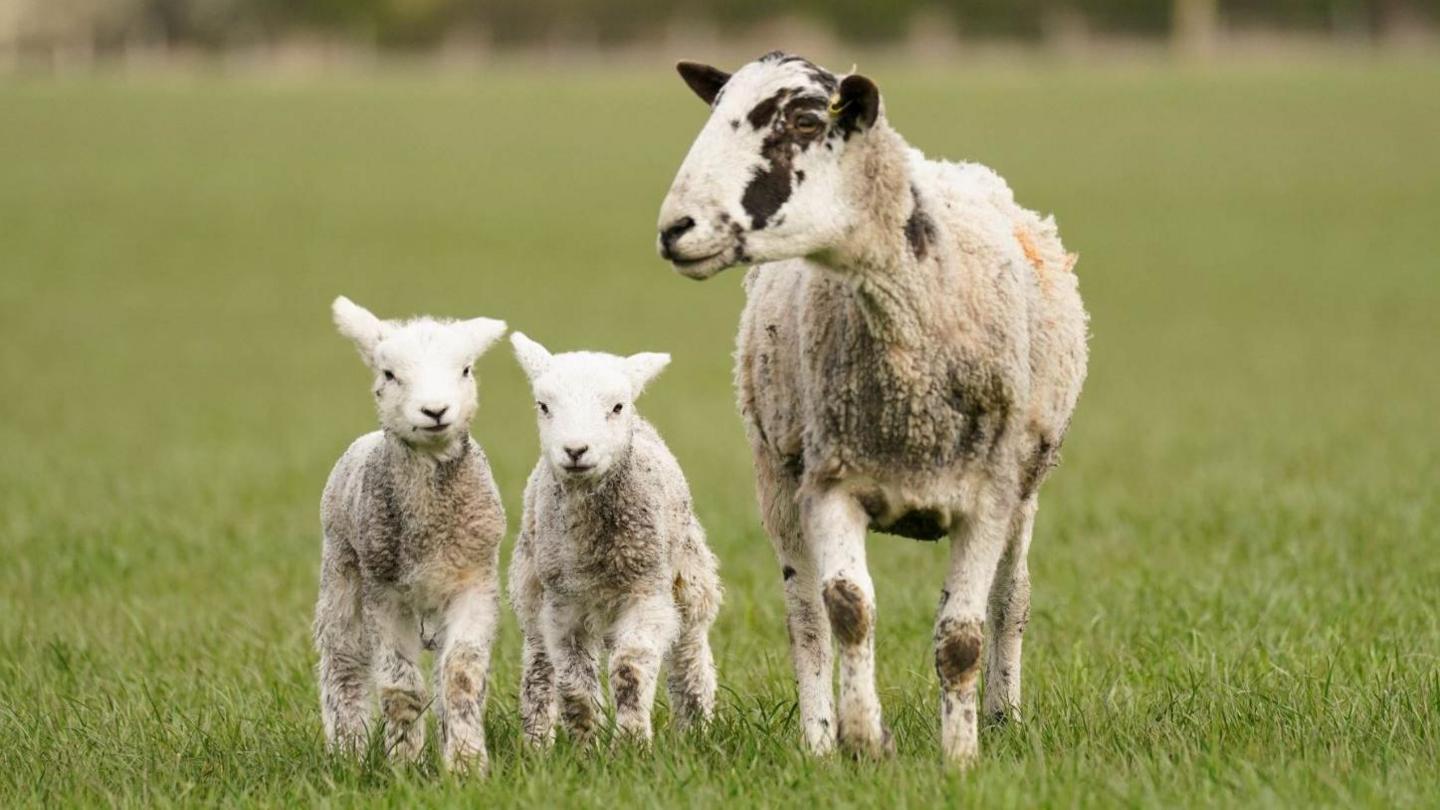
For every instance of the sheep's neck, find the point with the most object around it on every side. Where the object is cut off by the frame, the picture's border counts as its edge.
(426, 460)
(890, 282)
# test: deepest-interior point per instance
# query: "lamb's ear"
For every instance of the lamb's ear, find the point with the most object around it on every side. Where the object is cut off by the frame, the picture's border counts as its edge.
(533, 357)
(706, 81)
(482, 333)
(856, 104)
(360, 325)
(643, 367)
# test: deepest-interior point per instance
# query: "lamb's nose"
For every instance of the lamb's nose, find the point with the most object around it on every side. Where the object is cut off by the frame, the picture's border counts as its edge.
(576, 452)
(434, 412)
(674, 231)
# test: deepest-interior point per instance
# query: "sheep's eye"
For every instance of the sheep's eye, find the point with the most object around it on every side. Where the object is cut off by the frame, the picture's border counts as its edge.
(545, 409)
(389, 376)
(466, 372)
(807, 123)
(619, 406)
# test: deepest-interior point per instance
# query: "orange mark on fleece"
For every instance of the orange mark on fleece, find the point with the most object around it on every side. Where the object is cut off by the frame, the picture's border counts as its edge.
(1032, 253)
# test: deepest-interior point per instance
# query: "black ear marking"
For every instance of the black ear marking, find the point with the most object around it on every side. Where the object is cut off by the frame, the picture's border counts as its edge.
(858, 104)
(706, 81)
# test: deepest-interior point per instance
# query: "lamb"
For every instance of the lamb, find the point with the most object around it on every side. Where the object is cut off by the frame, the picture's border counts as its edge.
(610, 554)
(412, 523)
(911, 351)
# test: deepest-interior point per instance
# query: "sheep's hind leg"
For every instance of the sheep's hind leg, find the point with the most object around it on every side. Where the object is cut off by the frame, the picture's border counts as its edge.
(643, 632)
(344, 647)
(692, 666)
(975, 550)
(464, 676)
(397, 673)
(810, 651)
(835, 527)
(1009, 613)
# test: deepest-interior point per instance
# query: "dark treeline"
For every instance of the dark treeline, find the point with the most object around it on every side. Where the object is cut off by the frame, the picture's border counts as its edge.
(422, 24)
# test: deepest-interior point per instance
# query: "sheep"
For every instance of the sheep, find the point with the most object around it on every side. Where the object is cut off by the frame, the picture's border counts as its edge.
(610, 554)
(910, 353)
(412, 527)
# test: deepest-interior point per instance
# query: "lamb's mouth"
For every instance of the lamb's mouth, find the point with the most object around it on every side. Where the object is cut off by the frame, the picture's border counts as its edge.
(577, 469)
(703, 267)
(435, 428)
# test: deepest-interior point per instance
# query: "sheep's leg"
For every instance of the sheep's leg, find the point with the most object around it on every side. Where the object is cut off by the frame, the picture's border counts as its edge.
(537, 688)
(810, 653)
(643, 632)
(974, 552)
(571, 648)
(470, 620)
(1009, 613)
(397, 674)
(835, 527)
(344, 647)
(692, 667)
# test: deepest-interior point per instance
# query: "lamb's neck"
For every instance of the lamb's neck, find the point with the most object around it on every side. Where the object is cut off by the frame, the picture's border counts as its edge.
(883, 256)
(423, 462)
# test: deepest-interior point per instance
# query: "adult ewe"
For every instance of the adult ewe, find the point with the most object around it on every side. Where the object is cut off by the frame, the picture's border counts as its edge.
(413, 525)
(910, 354)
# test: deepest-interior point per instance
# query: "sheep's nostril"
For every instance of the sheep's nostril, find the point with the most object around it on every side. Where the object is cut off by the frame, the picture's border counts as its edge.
(435, 413)
(674, 231)
(576, 452)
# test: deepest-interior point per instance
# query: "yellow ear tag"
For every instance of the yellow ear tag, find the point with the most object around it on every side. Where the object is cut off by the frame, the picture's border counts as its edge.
(836, 107)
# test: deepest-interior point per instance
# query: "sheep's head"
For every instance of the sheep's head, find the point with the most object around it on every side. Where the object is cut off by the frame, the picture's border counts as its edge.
(424, 371)
(585, 404)
(765, 178)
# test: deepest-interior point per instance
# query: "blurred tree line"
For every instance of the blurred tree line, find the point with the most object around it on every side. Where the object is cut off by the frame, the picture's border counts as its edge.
(111, 25)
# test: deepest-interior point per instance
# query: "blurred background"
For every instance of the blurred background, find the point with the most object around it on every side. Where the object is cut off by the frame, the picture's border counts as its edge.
(1234, 567)
(65, 33)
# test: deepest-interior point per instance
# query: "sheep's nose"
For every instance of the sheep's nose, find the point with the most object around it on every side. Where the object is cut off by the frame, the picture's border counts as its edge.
(576, 452)
(434, 411)
(674, 231)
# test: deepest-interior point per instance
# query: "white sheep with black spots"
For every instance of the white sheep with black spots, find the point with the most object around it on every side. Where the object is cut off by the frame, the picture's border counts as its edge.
(911, 351)
(412, 528)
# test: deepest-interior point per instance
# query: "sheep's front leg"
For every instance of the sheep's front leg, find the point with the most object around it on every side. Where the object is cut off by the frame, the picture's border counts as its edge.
(643, 632)
(1009, 613)
(835, 529)
(571, 648)
(344, 645)
(397, 675)
(537, 689)
(470, 622)
(974, 552)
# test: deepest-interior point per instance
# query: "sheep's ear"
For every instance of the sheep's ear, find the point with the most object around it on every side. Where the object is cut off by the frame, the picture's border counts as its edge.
(706, 81)
(856, 104)
(360, 325)
(533, 357)
(482, 333)
(643, 367)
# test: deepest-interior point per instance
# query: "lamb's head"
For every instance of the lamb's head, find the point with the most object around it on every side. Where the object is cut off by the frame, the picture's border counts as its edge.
(424, 376)
(585, 404)
(766, 178)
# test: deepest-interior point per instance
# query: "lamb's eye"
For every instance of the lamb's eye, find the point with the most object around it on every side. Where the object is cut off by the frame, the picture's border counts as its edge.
(545, 409)
(619, 406)
(807, 123)
(389, 376)
(466, 372)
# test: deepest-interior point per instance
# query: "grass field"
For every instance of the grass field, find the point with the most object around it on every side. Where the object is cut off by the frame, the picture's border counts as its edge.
(1236, 569)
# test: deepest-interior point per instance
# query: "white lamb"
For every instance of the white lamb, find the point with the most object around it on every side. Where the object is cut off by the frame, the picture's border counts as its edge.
(610, 554)
(413, 524)
(911, 351)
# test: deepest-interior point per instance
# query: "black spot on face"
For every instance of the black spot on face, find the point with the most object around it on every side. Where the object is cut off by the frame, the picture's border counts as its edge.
(772, 184)
(735, 123)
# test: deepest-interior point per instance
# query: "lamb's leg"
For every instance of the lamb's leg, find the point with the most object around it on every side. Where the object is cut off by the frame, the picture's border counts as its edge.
(397, 673)
(975, 549)
(470, 621)
(835, 527)
(344, 647)
(537, 689)
(1009, 613)
(692, 667)
(572, 651)
(643, 632)
(810, 651)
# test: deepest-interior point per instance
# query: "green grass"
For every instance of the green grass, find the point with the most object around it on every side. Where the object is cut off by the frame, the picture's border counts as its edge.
(1235, 569)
